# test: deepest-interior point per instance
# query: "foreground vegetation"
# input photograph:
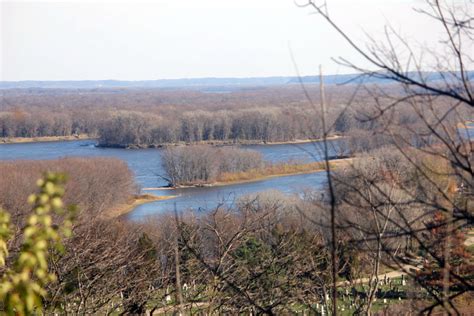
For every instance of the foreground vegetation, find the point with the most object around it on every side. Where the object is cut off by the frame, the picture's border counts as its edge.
(104, 259)
(22, 285)
(264, 255)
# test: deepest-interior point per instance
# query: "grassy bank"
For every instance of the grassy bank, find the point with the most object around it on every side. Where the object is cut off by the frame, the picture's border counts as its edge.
(277, 170)
(134, 202)
(15, 140)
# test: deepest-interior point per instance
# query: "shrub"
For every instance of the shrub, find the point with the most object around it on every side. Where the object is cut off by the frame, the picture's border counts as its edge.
(95, 184)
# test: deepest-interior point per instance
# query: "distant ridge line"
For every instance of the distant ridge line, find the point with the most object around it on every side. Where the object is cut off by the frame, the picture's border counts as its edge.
(208, 82)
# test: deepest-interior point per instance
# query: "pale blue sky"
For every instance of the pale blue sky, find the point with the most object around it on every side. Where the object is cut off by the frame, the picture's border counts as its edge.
(133, 40)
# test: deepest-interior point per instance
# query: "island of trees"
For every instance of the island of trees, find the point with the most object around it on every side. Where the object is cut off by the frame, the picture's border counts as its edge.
(202, 165)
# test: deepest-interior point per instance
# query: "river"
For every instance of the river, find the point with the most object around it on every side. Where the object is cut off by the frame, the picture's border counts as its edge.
(146, 166)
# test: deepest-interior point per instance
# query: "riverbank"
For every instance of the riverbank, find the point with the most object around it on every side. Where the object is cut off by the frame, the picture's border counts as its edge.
(20, 140)
(274, 171)
(299, 141)
(133, 203)
(220, 143)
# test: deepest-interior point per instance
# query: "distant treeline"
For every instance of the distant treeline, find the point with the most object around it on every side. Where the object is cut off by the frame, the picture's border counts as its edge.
(126, 129)
(153, 117)
(124, 118)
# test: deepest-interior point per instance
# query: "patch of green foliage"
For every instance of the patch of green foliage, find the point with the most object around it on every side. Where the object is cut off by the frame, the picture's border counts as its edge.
(22, 286)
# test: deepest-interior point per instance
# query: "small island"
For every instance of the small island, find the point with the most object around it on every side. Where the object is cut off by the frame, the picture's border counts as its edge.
(198, 166)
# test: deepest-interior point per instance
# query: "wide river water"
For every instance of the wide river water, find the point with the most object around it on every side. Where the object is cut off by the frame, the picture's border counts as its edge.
(146, 166)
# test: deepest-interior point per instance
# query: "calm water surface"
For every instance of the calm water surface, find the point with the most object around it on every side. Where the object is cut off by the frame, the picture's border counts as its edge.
(209, 198)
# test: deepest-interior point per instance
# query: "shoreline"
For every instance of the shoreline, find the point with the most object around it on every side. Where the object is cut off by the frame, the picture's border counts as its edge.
(135, 201)
(43, 139)
(337, 162)
(223, 143)
(300, 141)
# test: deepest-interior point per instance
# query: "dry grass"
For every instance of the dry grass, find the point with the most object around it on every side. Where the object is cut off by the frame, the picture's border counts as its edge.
(277, 170)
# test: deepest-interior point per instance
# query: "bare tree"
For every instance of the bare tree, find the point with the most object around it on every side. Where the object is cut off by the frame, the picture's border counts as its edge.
(435, 149)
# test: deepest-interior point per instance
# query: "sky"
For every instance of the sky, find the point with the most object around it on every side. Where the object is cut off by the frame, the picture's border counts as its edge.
(165, 39)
